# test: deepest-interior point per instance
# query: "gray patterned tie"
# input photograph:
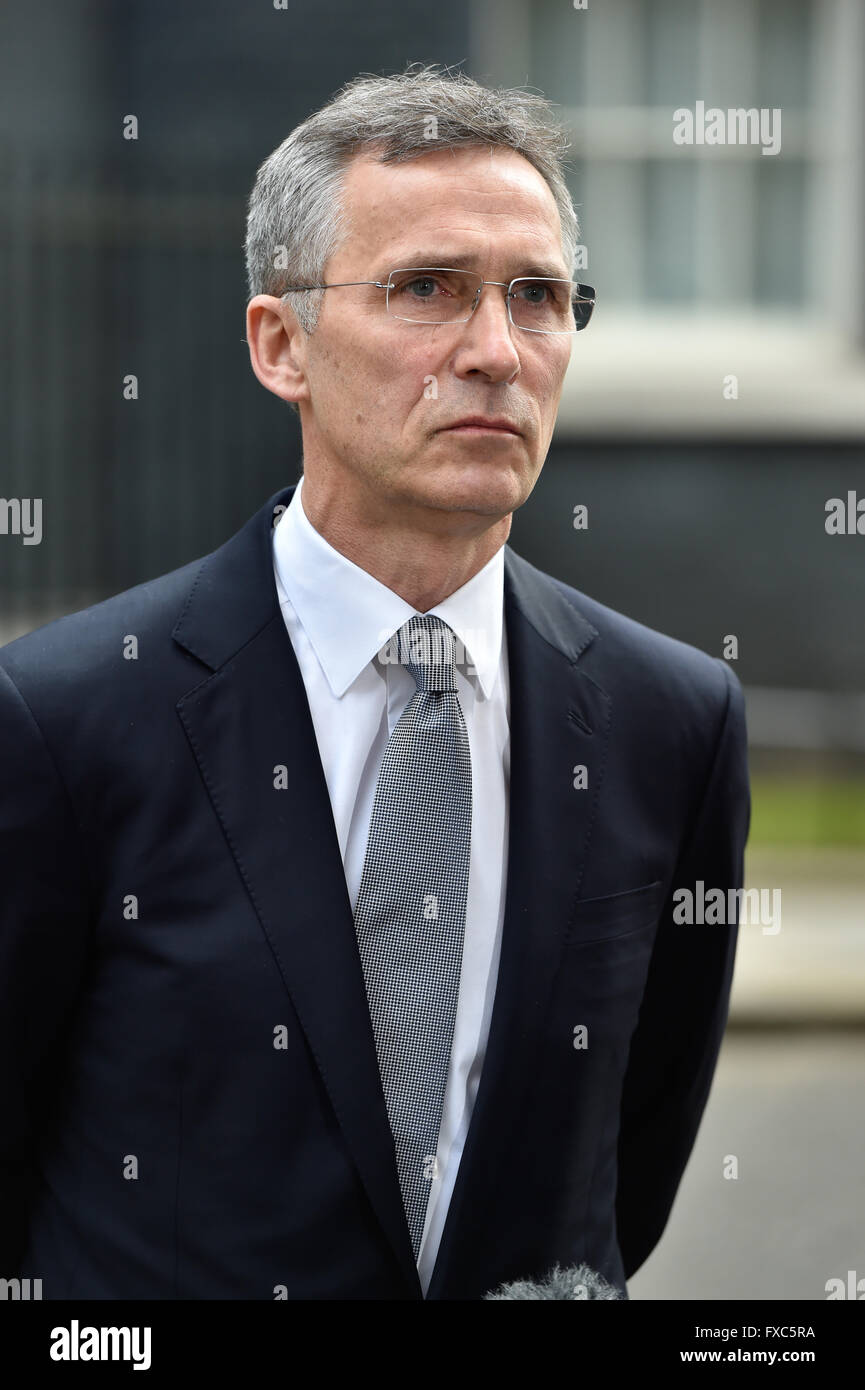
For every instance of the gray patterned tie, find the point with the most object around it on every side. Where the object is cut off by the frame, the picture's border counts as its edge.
(411, 908)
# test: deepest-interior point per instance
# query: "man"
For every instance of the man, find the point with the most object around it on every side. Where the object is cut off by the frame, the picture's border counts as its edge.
(339, 957)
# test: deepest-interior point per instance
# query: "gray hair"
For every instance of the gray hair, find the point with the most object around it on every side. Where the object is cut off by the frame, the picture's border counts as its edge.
(296, 218)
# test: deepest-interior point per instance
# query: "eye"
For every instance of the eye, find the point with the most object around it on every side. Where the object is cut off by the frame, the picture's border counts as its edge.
(421, 287)
(535, 292)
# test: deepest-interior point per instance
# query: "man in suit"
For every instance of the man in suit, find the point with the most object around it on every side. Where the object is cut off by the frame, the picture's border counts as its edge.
(338, 956)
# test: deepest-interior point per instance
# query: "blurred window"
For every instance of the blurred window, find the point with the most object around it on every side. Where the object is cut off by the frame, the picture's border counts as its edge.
(695, 249)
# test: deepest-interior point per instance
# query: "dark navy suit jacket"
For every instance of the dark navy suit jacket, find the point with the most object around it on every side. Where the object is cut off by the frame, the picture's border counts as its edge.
(188, 1083)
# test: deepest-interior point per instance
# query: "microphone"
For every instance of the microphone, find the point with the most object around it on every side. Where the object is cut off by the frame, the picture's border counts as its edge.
(573, 1282)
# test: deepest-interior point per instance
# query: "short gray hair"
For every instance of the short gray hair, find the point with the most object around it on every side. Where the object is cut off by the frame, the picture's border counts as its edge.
(296, 219)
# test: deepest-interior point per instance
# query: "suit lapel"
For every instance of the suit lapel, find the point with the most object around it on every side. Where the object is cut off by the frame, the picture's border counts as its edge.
(559, 718)
(246, 719)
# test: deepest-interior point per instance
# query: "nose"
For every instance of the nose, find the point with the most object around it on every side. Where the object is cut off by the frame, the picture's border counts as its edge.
(487, 341)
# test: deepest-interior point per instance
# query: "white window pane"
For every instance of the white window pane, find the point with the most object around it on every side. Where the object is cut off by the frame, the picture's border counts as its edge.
(780, 199)
(786, 38)
(670, 35)
(668, 235)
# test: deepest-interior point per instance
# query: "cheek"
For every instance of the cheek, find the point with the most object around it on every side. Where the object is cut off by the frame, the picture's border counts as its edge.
(552, 376)
(542, 384)
(387, 375)
(548, 395)
(405, 380)
(369, 392)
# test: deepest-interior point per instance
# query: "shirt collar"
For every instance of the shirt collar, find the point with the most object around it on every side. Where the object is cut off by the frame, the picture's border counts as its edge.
(348, 615)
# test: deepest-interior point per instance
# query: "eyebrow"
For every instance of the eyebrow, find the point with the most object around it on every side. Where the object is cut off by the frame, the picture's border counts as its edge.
(429, 260)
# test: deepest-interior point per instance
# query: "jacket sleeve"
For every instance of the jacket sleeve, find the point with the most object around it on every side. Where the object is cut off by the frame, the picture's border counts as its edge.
(676, 1043)
(43, 929)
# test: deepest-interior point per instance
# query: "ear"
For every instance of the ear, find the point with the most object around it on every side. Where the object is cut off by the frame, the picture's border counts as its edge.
(277, 347)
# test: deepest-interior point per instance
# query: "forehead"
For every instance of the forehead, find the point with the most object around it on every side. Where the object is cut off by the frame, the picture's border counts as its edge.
(471, 200)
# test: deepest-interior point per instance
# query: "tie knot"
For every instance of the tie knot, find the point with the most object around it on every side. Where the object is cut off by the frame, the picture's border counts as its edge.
(427, 648)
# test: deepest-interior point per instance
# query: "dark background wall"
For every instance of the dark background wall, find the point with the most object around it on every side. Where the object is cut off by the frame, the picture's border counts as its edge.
(121, 256)
(702, 539)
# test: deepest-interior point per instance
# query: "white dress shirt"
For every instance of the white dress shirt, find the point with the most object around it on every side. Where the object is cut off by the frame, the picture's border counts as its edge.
(339, 618)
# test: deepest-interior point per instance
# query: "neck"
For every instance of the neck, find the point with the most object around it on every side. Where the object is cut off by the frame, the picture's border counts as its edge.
(424, 555)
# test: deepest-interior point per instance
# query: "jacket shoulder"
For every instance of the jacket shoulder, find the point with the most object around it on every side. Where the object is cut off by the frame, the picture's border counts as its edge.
(90, 640)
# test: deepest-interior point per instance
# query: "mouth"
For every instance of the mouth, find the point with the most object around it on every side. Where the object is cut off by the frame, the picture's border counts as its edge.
(478, 424)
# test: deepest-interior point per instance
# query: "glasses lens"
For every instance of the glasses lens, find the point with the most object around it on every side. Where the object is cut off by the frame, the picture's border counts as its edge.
(432, 296)
(544, 306)
(584, 303)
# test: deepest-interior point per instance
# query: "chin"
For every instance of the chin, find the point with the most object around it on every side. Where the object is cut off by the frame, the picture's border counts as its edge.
(489, 486)
(490, 498)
